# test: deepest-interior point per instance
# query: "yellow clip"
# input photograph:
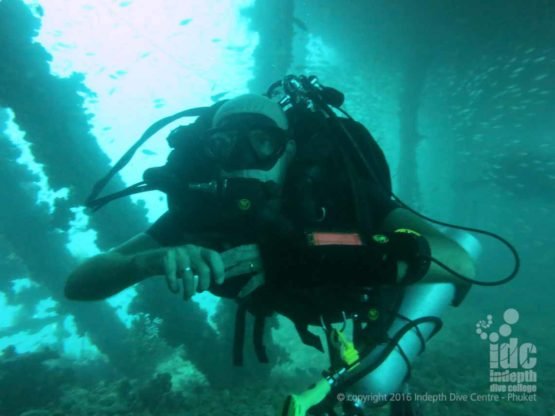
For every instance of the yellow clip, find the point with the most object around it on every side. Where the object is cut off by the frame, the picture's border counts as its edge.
(244, 204)
(380, 239)
(407, 231)
(347, 349)
(373, 314)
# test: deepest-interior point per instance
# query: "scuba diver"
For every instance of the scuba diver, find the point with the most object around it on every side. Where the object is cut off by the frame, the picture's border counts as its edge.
(278, 202)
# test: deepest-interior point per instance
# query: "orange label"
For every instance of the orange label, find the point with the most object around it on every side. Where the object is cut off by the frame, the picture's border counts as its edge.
(334, 239)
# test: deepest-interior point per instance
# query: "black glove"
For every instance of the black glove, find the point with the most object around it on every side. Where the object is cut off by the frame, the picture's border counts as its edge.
(412, 248)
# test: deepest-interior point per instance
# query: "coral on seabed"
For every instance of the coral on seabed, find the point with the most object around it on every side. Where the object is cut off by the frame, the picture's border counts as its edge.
(27, 382)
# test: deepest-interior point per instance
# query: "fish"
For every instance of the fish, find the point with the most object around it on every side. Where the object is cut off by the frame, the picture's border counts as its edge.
(300, 24)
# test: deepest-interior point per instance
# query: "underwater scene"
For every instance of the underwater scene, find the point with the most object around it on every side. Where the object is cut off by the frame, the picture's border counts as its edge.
(277, 207)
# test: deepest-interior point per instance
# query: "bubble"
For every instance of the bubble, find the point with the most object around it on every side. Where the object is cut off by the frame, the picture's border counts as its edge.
(511, 316)
(479, 331)
(484, 336)
(490, 317)
(478, 325)
(494, 337)
(505, 330)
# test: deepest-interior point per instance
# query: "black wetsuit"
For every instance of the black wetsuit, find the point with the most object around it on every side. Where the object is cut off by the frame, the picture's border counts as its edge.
(199, 221)
(332, 191)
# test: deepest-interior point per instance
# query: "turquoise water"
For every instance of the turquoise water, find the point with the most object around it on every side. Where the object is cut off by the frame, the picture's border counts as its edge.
(460, 97)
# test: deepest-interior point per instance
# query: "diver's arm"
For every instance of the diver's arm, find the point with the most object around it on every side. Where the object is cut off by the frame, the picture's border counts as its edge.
(106, 274)
(442, 248)
(187, 269)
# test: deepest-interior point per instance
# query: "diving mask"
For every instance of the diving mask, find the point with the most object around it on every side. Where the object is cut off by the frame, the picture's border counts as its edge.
(247, 141)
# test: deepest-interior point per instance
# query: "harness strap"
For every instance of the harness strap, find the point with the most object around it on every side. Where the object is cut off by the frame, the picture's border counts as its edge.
(258, 335)
(258, 338)
(308, 337)
(239, 334)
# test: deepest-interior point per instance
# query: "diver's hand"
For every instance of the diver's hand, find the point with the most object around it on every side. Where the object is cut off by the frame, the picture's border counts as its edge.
(241, 260)
(193, 267)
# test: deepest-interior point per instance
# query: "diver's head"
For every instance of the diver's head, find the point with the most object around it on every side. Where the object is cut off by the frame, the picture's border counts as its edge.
(249, 139)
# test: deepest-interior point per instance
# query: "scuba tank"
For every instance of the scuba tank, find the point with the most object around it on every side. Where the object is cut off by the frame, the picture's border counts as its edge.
(365, 381)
